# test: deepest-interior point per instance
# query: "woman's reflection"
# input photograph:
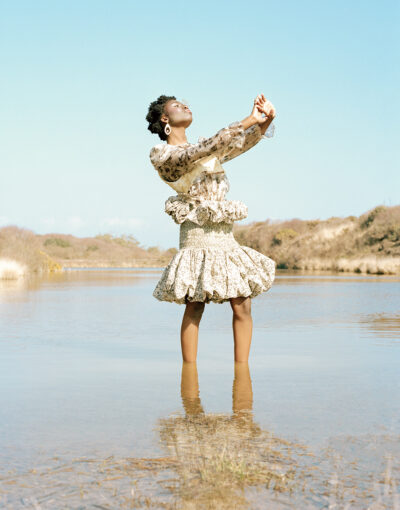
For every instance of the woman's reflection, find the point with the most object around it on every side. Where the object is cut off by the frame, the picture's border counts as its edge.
(242, 393)
(216, 454)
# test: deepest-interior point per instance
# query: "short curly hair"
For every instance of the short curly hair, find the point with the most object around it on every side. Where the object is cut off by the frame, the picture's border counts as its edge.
(156, 109)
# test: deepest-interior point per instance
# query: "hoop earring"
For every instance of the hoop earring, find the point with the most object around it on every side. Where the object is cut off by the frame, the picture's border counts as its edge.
(167, 129)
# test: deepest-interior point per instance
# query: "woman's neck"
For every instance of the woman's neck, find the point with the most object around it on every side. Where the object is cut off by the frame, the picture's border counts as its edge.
(177, 136)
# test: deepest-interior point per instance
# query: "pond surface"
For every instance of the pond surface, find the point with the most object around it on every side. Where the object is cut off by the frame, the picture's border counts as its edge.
(97, 409)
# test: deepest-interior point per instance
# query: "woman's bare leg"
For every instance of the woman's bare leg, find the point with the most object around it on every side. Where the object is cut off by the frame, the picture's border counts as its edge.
(190, 330)
(242, 323)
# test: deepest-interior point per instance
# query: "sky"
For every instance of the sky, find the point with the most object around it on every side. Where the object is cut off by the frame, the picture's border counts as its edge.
(77, 78)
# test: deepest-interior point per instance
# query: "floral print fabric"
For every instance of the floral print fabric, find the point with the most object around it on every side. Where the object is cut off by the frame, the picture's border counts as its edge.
(210, 266)
(173, 161)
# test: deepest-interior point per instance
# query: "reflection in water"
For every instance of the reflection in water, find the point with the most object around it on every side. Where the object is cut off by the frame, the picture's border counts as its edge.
(229, 461)
(13, 290)
(382, 325)
(222, 456)
(217, 461)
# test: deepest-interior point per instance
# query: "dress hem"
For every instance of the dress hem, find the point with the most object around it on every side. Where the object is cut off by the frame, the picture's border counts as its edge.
(209, 300)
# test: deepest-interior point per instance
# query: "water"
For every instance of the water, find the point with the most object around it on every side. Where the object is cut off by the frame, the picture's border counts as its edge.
(91, 369)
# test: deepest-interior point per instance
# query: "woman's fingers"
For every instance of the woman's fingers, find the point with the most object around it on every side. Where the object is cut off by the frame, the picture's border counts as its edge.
(264, 106)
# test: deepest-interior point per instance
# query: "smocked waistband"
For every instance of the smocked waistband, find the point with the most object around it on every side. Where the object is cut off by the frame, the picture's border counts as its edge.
(210, 235)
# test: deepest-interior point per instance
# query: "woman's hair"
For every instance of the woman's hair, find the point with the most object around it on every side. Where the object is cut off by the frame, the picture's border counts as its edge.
(156, 109)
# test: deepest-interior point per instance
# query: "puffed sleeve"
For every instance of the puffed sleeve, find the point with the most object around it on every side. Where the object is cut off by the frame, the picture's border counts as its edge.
(173, 161)
(250, 138)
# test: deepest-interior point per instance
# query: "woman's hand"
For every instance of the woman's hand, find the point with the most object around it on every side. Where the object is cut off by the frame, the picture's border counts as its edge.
(263, 106)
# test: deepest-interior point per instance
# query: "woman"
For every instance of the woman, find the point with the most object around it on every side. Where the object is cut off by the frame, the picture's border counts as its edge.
(210, 266)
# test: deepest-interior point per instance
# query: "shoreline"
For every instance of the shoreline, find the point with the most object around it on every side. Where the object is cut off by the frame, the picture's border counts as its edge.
(278, 270)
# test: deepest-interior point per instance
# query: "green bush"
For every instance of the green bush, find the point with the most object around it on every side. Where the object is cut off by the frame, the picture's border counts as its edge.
(286, 234)
(372, 215)
(282, 265)
(393, 232)
(390, 232)
(312, 224)
(125, 240)
(57, 241)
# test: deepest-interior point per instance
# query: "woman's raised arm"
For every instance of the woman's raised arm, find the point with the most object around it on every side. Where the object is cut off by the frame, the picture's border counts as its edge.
(173, 161)
(251, 137)
(264, 128)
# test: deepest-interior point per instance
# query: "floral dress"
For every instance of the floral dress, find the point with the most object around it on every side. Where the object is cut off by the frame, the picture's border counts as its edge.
(210, 266)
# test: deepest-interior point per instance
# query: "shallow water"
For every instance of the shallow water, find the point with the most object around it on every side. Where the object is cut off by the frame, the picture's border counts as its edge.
(91, 369)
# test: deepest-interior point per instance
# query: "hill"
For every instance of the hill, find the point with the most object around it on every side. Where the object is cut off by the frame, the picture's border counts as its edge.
(369, 243)
(22, 251)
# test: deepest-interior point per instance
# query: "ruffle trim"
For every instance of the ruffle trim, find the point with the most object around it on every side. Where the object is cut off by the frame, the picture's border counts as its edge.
(182, 208)
(214, 275)
(270, 132)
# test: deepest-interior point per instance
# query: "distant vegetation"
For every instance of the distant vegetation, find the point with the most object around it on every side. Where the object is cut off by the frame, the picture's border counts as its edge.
(23, 252)
(366, 244)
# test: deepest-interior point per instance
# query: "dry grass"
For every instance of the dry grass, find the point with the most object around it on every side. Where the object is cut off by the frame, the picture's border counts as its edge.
(367, 244)
(50, 252)
(104, 250)
(23, 247)
(11, 269)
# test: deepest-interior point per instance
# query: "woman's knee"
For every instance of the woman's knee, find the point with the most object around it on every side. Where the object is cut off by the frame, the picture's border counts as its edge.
(241, 307)
(195, 309)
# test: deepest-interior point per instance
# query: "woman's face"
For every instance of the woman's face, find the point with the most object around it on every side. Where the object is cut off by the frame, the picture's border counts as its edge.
(177, 113)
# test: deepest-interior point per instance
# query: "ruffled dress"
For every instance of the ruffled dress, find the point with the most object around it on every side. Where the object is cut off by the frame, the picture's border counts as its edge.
(210, 266)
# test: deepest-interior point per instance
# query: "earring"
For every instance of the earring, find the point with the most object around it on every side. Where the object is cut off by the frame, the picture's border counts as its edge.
(167, 129)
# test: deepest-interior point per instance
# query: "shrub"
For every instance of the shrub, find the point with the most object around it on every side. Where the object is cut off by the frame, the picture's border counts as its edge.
(312, 223)
(57, 241)
(104, 237)
(92, 247)
(124, 240)
(372, 215)
(282, 265)
(154, 250)
(393, 232)
(286, 234)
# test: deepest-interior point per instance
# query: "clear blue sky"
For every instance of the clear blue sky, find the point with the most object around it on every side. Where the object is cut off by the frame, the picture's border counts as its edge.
(78, 76)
